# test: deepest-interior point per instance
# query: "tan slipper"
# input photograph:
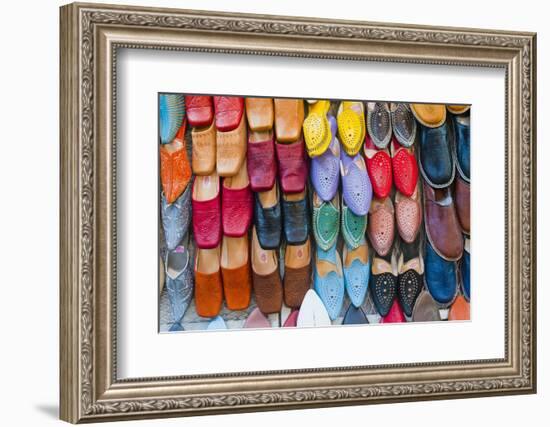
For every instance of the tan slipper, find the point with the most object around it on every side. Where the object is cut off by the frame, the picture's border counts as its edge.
(266, 279)
(430, 115)
(289, 117)
(297, 278)
(259, 112)
(235, 266)
(458, 109)
(231, 149)
(204, 150)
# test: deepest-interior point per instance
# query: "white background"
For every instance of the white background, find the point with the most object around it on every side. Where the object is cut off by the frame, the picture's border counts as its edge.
(29, 170)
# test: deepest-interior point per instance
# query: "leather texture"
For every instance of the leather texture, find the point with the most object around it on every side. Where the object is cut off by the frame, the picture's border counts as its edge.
(268, 223)
(289, 116)
(325, 169)
(425, 309)
(326, 223)
(379, 167)
(261, 164)
(175, 172)
(200, 110)
(436, 158)
(462, 199)
(179, 283)
(231, 150)
(176, 218)
(293, 166)
(403, 124)
(395, 315)
(237, 286)
(259, 113)
(229, 112)
(354, 316)
(405, 169)
(204, 150)
(353, 227)
(379, 123)
(236, 211)
(296, 283)
(462, 145)
(207, 224)
(296, 221)
(440, 277)
(268, 291)
(460, 310)
(171, 116)
(442, 226)
(408, 215)
(208, 293)
(257, 320)
(330, 286)
(356, 185)
(381, 225)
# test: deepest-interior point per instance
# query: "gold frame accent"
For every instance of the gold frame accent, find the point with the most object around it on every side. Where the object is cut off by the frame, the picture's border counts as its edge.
(90, 36)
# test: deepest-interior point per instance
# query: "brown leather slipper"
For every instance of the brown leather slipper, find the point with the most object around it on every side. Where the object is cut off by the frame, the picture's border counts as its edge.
(235, 266)
(297, 278)
(204, 150)
(231, 149)
(289, 117)
(208, 282)
(259, 112)
(266, 278)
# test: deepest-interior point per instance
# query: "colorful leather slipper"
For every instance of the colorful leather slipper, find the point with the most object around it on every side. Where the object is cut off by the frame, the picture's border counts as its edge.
(328, 280)
(430, 115)
(425, 309)
(297, 278)
(296, 218)
(236, 204)
(262, 168)
(356, 272)
(351, 126)
(231, 149)
(206, 202)
(441, 278)
(292, 319)
(204, 150)
(208, 282)
(465, 270)
(267, 218)
(266, 279)
(457, 109)
(175, 170)
(179, 282)
(353, 227)
(312, 312)
(461, 126)
(379, 123)
(460, 310)
(403, 123)
(171, 116)
(405, 168)
(354, 316)
(325, 169)
(381, 225)
(200, 111)
(259, 113)
(256, 319)
(383, 283)
(216, 324)
(317, 130)
(462, 199)
(408, 214)
(235, 266)
(289, 116)
(436, 159)
(411, 276)
(175, 218)
(326, 221)
(229, 112)
(379, 167)
(293, 167)
(356, 185)
(441, 221)
(395, 315)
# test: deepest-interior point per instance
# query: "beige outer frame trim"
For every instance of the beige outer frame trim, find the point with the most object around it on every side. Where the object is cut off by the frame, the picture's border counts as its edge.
(90, 35)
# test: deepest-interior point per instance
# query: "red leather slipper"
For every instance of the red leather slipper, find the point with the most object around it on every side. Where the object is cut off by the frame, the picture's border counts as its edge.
(236, 204)
(379, 167)
(229, 111)
(207, 227)
(200, 111)
(405, 168)
(293, 167)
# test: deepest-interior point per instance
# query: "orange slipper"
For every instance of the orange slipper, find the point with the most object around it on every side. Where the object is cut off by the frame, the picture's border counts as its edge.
(460, 310)
(208, 282)
(259, 112)
(175, 170)
(235, 265)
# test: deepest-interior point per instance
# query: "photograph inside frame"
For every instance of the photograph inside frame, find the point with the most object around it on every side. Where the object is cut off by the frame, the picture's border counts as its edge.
(279, 212)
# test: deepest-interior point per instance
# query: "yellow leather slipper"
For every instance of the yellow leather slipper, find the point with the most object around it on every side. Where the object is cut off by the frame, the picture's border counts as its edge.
(351, 126)
(458, 109)
(316, 127)
(430, 115)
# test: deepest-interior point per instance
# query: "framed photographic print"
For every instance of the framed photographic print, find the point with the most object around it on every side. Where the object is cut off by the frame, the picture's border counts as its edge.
(266, 212)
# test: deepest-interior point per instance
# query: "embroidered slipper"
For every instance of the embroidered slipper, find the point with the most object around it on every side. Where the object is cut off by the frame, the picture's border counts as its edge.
(408, 214)
(430, 115)
(297, 278)
(353, 227)
(457, 109)
(262, 168)
(379, 167)
(381, 227)
(328, 280)
(383, 283)
(171, 116)
(356, 185)
(289, 116)
(379, 123)
(356, 272)
(236, 204)
(403, 123)
(405, 168)
(231, 149)
(411, 276)
(200, 111)
(175, 170)
(317, 130)
(204, 150)
(179, 283)
(208, 282)
(351, 126)
(229, 112)
(259, 112)
(325, 169)
(235, 266)
(268, 289)
(206, 205)
(326, 221)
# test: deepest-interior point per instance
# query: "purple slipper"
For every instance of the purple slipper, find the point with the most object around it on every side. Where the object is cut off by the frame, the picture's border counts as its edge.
(325, 173)
(356, 185)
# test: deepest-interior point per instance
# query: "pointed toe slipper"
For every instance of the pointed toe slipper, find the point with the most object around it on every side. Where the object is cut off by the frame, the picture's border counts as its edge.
(231, 150)
(179, 281)
(208, 282)
(395, 315)
(383, 284)
(325, 169)
(356, 185)
(236, 204)
(259, 113)
(266, 279)
(354, 316)
(425, 309)
(411, 277)
(235, 266)
(256, 319)
(199, 110)
(260, 154)
(297, 278)
(228, 112)
(353, 227)
(176, 218)
(171, 116)
(312, 312)
(379, 123)
(381, 225)
(429, 115)
(216, 324)
(206, 205)
(204, 150)
(175, 170)
(293, 166)
(292, 319)
(289, 116)
(326, 221)
(328, 280)
(351, 126)
(405, 168)
(379, 167)
(356, 272)
(403, 123)
(460, 310)
(317, 129)
(408, 215)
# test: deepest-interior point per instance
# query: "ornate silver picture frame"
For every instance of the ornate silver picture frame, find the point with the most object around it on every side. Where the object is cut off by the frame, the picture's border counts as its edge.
(91, 34)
